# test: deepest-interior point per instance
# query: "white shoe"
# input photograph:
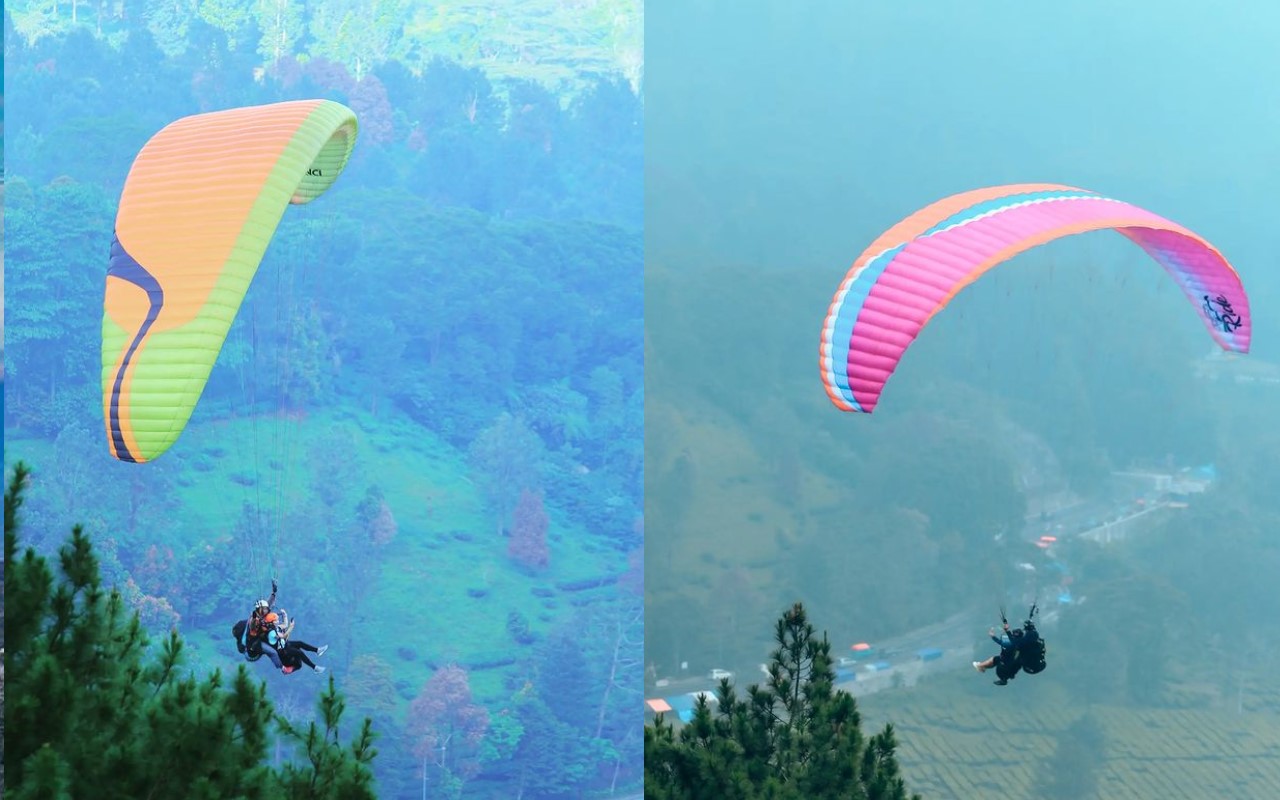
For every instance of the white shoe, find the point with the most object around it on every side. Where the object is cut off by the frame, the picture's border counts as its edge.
(977, 665)
(323, 647)
(319, 669)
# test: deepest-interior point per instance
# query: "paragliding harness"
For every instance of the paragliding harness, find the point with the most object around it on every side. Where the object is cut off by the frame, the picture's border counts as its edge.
(241, 633)
(277, 635)
(1032, 655)
(246, 638)
(1007, 663)
(245, 642)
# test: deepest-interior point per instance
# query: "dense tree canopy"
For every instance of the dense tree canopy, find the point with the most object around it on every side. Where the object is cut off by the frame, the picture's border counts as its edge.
(796, 738)
(98, 706)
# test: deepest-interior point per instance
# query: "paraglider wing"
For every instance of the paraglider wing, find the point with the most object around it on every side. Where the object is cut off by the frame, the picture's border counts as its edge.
(199, 207)
(914, 269)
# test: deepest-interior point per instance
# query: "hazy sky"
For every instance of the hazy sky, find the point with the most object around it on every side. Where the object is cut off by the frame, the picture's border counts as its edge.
(791, 133)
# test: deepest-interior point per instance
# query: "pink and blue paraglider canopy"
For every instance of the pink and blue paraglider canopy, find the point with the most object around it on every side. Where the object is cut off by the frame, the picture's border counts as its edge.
(914, 269)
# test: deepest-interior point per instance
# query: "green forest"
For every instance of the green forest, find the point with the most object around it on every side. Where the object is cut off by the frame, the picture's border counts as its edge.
(426, 421)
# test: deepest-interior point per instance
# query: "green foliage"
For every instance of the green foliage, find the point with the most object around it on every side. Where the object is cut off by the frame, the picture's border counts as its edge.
(232, 17)
(332, 770)
(547, 41)
(360, 33)
(372, 683)
(797, 737)
(962, 478)
(376, 525)
(553, 759)
(562, 46)
(518, 627)
(505, 461)
(93, 709)
(41, 292)
(211, 598)
(282, 27)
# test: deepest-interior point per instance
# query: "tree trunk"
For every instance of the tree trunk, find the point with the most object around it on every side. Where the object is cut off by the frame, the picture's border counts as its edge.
(613, 672)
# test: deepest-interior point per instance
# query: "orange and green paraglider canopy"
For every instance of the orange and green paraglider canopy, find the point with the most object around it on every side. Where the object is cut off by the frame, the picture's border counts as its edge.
(199, 207)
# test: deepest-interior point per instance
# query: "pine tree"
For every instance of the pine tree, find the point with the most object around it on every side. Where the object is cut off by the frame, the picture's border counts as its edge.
(796, 738)
(98, 711)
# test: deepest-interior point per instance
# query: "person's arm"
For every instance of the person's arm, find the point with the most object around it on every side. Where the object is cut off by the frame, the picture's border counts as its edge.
(272, 600)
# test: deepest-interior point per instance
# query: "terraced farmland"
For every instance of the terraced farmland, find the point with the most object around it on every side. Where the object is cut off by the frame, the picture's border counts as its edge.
(957, 745)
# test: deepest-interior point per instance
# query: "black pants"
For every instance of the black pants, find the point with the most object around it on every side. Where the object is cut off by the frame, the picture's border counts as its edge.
(292, 654)
(1007, 666)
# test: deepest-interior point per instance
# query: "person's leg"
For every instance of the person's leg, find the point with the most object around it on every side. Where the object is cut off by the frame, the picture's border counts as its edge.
(271, 653)
(1004, 671)
(317, 650)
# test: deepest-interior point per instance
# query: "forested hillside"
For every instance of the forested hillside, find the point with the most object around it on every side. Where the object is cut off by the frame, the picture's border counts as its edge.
(427, 418)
